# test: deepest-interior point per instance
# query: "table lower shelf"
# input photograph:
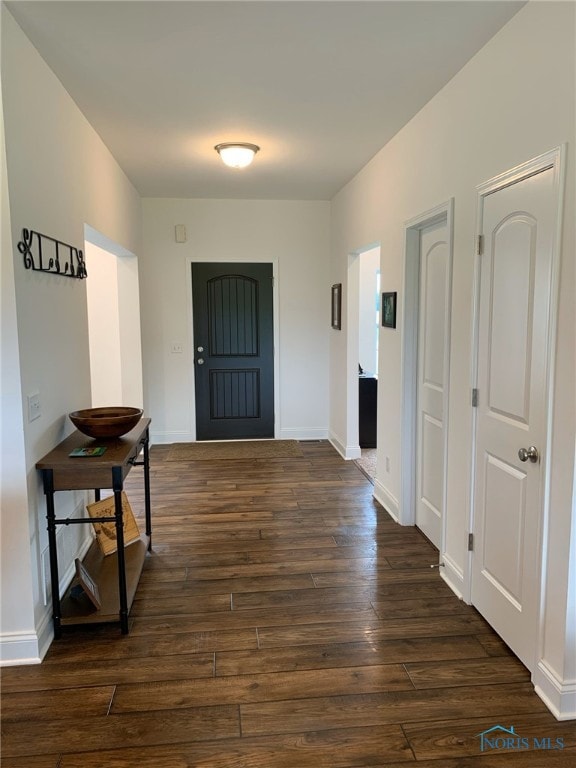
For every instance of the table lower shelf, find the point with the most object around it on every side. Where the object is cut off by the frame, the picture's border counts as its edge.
(104, 571)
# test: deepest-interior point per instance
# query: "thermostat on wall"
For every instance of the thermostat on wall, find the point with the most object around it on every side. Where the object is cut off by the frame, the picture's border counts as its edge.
(180, 233)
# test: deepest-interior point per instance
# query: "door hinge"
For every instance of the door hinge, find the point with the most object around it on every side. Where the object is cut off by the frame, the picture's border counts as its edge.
(470, 542)
(474, 398)
(480, 245)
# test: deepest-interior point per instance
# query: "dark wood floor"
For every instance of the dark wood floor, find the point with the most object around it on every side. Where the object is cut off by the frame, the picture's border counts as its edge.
(283, 621)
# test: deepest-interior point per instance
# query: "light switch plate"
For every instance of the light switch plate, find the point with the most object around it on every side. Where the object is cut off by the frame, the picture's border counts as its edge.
(34, 406)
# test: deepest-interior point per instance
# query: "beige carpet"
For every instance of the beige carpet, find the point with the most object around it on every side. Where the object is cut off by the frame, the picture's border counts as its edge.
(235, 449)
(367, 462)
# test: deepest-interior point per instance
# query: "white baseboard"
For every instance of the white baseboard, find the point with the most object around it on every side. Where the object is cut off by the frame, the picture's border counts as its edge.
(302, 433)
(387, 500)
(348, 452)
(45, 633)
(452, 575)
(165, 438)
(290, 433)
(338, 445)
(18, 648)
(558, 695)
(21, 648)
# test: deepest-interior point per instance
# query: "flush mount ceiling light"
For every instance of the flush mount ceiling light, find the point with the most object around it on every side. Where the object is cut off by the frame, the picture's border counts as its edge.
(236, 154)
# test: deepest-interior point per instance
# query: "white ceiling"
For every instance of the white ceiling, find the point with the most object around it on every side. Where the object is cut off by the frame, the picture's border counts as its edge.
(320, 85)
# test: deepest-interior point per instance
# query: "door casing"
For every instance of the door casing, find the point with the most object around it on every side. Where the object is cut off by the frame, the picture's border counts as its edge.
(409, 366)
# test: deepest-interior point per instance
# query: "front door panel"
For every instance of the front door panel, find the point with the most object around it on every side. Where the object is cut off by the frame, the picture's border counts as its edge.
(233, 350)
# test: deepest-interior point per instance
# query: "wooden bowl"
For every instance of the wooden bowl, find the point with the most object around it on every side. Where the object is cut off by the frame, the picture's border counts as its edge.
(106, 423)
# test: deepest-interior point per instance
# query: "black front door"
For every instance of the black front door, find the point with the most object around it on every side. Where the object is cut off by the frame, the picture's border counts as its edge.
(233, 350)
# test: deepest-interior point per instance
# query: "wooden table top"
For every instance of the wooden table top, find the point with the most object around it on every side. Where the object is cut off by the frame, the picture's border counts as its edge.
(90, 471)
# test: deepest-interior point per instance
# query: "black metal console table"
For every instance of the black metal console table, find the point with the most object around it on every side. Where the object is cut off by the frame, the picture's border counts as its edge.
(117, 575)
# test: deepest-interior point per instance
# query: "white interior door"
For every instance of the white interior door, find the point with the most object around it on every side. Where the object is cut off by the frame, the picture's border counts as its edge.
(432, 367)
(518, 224)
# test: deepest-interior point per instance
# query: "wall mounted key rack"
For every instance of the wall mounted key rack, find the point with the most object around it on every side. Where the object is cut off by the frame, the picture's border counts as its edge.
(43, 253)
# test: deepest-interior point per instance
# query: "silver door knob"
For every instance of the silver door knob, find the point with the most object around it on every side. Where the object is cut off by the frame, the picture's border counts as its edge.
(529, 453)
(200, 361)
(200, 349)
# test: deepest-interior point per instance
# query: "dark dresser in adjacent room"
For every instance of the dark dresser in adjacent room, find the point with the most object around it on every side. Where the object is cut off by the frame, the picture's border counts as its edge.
(367, 402)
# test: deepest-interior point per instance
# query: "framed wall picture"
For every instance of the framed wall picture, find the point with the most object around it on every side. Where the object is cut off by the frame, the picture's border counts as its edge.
(336, 320)
(389, 310)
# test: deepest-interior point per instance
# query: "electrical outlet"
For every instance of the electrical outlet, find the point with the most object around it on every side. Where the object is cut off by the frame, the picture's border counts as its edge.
(34, 406)
(176, 348)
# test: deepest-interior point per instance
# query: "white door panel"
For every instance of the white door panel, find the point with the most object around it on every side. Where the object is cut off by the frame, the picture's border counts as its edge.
(433, 464)
(511, 284)
(518, 224)
(502, 553)
(434, 251)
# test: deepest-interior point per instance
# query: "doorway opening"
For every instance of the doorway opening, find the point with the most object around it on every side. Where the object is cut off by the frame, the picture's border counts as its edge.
(112, 295)
(363, 341)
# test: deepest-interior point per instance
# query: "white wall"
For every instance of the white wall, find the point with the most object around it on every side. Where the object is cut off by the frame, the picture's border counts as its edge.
(113, 299)
(513, 101)
(16, 620)
(291, 235)
(103, 326)
(60, 177)
(130, 331)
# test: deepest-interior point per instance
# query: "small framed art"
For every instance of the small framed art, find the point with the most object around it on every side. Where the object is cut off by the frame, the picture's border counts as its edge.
(336, 315)
(87, 584)
(389, 310)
